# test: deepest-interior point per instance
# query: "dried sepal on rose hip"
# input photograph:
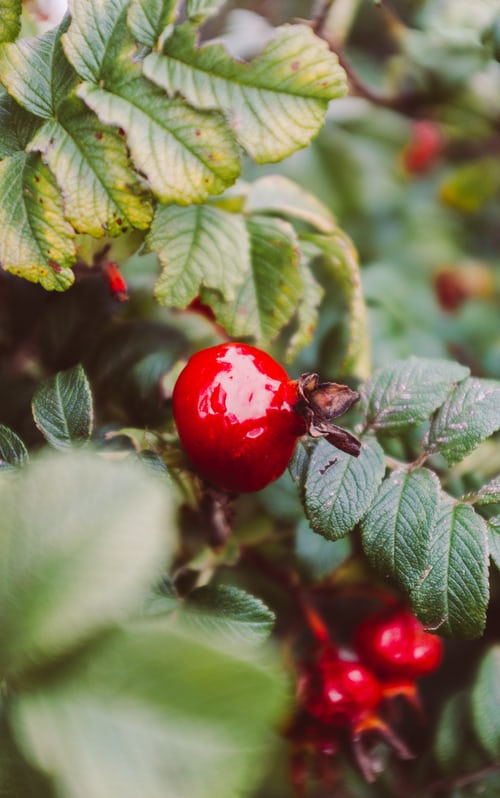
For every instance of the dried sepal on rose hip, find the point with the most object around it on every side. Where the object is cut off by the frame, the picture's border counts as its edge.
(239, 415)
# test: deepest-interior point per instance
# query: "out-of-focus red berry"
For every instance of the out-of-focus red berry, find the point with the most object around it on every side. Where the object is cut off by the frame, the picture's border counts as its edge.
(424, 147)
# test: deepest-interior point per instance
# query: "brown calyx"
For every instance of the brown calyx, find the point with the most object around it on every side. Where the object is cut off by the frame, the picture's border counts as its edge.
(320, 402)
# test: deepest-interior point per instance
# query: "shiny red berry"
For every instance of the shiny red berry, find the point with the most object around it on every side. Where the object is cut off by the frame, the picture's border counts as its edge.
(395, 644)
(233, 408)
(339, 691)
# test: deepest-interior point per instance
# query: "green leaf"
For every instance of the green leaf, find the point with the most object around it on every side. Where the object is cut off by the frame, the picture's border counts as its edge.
(318, 556)
(494, 539)
(307, 312)
(200, 9)
(13, 452)
(231, 612)
(453, 733)
(398, 528)
(198, 247)
(147, 19)
(36, 241)
(36, 72)
(62, 408)
(453, 593)
(101, 192)
(340, 488)
(277, 194)
(408, 391)
(273, 287)
(485, 702)
(487, 494)
(10, 19)
(17, 125)
(469, 415)
(343, 280)
(92, 34)
(156, 711)
(276, 102)
(81, 539)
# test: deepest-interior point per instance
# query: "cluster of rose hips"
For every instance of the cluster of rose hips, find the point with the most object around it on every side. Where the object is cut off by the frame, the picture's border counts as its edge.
(346, 694)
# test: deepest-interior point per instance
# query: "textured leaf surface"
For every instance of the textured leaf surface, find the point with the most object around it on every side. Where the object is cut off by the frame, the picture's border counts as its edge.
(72, 561)
(276, 102)
(273, 287)
(10, 19)
(488, 493)
(37, 73)
(101, 192)
(151, 701)
(36, 241)
(408, 391)
(231, 612)
(198, 247)
(203, 8)
(397, 530)
(454, 591)
(340, 488)
(469, 415)
(62, 408)
(278, 194)
(485, 702)
(17, 125)
(13, 452)
(147, 19)
(91, 37)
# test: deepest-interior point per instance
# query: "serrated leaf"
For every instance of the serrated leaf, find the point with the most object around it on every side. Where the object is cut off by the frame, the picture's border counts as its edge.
(10, 19)
(91, 35)
(468, 416)
(81, 539)
(230, 611)
(494, 539)
(340, 488)
(408, 391)
(13, 452)
(16, 124)
(397, 530)
(486, 494)
(147, 19)
(343, 278)
(36, 72)
(485, 701)
(273, 287)
(276, 102)
(101, 191)
(36, 241)
(280, 195)
(200, 9)
(133, 717)
(198, 247)
(453, 594)
(63, 410)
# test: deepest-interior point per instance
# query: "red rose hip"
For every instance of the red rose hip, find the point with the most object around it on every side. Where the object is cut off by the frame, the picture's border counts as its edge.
(233, 408)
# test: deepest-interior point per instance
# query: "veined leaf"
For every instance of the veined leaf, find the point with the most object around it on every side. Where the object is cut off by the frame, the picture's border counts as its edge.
(231, 612)
(200, 9)
(36, 72)
(36, 241)
(147, 19)
(10, 19)
(148, 702)
(277, 194)
(453, 595)
(486, 494)
(397, 530)
(469, 415)
(272, 289)
(198, 247)
(62, 408)
(70, 522)
(16, 124)
(485, 702)
(408, 391)
(340, 488)
(13, 452)
(92, 35)
(101, 191)
(276, 102)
